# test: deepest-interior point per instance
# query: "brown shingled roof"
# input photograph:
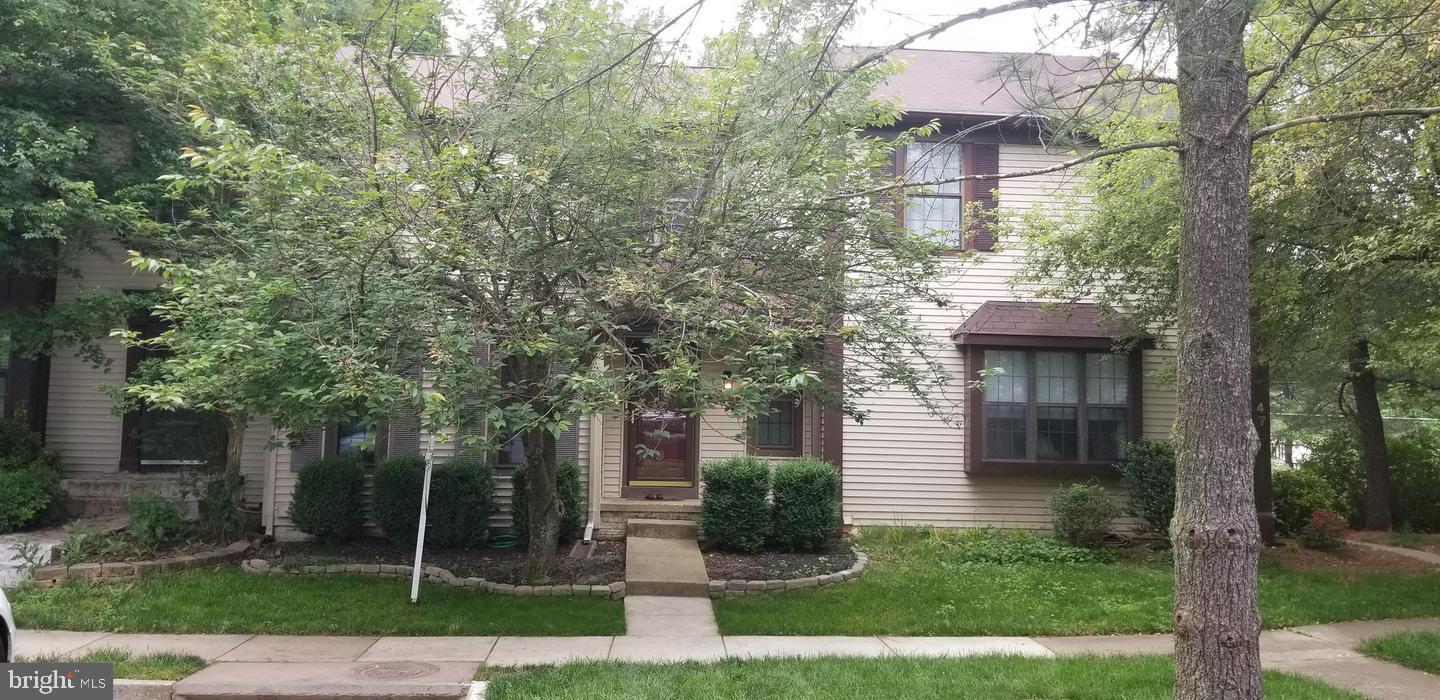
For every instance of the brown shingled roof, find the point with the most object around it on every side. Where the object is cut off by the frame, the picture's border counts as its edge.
(982, 82)
(1007, 321)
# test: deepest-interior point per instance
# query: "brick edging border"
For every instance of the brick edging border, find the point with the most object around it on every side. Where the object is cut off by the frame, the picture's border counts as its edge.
(737, 588)
(444, 577)
(53, 574)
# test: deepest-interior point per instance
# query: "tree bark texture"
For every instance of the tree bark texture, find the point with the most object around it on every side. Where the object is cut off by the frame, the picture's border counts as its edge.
(544, 504)
(1215, 532)
(1371, 426)
(234, 449)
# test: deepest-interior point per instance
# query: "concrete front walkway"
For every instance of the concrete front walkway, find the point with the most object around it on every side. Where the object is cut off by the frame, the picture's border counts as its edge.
(1416, 554)
(439, 665)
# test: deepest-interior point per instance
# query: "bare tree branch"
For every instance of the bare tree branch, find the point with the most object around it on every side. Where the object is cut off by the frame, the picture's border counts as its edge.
(634, 50)
(1344, 116)
(931, 31)
(1279, 71)
(1093, 155)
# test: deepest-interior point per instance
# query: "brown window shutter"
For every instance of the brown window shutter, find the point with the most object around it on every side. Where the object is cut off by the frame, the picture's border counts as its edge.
(404, 438)
(477, 428)
(984, 160)
(567, 443)
(896, 165)
(308, 450)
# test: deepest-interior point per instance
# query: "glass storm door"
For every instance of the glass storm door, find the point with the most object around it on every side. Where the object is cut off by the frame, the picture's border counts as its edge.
(660, 448)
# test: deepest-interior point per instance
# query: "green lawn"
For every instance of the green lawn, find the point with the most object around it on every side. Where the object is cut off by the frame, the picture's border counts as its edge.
(920, 584)
(991, 677)
(1418, 650)
(232, 601)
(150, 667)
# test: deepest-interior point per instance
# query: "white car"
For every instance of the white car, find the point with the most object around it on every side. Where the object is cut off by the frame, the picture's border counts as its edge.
(7, 631)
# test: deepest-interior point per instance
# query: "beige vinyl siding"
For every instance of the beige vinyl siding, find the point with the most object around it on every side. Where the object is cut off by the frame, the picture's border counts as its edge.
(904, 464)
(79, 422)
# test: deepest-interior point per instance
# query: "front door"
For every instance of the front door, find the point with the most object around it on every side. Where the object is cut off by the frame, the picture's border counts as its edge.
(661, 448)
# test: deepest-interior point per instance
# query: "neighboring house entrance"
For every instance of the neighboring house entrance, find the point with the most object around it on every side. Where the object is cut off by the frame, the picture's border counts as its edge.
(661, 452)
(154, 439)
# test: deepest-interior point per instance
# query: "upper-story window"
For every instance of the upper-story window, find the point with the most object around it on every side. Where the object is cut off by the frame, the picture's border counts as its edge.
(935, 211)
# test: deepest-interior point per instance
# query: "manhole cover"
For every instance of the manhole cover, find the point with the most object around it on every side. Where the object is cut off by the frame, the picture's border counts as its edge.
(396, 670)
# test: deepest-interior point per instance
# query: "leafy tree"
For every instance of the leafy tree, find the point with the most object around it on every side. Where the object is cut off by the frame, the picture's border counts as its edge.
(1342, 230)
(553, 222)
(1223, 106)
(78, 154)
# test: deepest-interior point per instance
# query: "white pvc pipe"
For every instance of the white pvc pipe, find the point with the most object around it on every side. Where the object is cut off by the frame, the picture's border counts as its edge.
(420, 531)
(596, 448)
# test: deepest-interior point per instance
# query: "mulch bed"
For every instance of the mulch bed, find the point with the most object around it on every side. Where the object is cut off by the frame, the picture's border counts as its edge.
(768, 566)
(605, 565)
(1346, 560)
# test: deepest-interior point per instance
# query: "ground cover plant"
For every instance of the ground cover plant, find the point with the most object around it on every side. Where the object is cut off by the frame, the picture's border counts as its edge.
(232, 601)
(994, 677)
(144, 667)
(1417, 650)
(933, 582)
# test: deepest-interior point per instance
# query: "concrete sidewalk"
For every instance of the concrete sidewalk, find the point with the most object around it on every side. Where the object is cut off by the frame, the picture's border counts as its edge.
(437, 666)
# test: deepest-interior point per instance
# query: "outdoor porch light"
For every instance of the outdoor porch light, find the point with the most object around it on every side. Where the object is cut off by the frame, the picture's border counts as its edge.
(729, 380)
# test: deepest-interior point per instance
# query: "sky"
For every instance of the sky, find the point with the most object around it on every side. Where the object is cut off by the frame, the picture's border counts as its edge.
(886, 21)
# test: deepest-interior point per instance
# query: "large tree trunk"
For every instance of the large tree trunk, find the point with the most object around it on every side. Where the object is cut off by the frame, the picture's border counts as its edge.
(1215, 531)
(1371, 426)
(234, 449)
(543, 503)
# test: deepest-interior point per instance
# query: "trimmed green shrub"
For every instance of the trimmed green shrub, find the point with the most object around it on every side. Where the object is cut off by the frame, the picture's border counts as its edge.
(395, 496)
(329, 500)
(29, 475)
(572, 501)
(1297, 494)
(1147, 471)
(734, 514)
(462, 498)
(804, 513)
(154, 520)
(25, 495)
(1414, 477)
(1082, 514)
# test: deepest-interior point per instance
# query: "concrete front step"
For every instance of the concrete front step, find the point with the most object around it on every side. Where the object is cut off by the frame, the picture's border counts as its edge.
(394, 680)
(615, 516)
(666, 567)
(95, 507)
(122, 485)
(662, 529)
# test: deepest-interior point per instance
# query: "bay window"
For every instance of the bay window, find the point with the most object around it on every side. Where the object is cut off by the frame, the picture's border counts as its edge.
(1057, 408)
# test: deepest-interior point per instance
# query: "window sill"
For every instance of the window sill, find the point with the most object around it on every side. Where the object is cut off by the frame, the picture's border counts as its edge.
(1025, 468)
